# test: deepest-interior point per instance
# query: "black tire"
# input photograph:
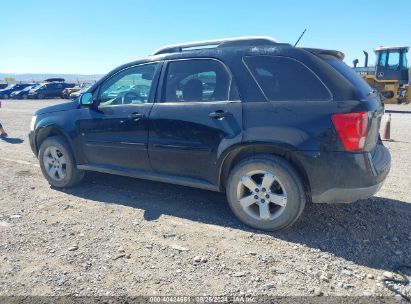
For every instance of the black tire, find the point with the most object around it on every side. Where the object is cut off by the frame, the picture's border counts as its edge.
(73, 176)
(286, 177)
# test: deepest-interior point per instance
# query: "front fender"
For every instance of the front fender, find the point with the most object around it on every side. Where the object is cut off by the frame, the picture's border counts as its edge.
(46, 128)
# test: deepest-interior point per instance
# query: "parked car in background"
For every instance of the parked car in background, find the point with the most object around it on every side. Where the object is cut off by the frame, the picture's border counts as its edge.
(3, 85)
(5, 93)
(67, 91)
(74, 95)
(272, 125)
(23, 94)
(49, 90)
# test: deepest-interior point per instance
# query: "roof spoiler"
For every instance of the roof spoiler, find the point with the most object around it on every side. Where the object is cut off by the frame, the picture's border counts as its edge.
(337, 54)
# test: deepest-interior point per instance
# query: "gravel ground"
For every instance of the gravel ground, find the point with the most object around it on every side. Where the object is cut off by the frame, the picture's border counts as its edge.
(121, 236)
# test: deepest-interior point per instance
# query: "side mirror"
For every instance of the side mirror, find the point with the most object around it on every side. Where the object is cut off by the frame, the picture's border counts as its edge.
(86, 99)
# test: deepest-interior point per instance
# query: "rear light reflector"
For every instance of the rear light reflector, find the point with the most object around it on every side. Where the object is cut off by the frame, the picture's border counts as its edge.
(351, 129)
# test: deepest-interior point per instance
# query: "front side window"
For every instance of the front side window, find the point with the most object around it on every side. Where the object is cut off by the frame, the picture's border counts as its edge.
(382, 58)
(131, 86)
(394, 60)
(196, 80)
(286, 79)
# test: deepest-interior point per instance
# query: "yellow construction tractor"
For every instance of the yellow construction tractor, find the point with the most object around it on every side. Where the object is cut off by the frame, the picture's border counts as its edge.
(390, 75)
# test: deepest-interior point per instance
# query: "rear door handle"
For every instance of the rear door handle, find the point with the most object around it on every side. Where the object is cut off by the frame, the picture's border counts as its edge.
(219, 114)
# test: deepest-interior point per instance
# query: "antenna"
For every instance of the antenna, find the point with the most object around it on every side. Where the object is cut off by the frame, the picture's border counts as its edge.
(300, 37)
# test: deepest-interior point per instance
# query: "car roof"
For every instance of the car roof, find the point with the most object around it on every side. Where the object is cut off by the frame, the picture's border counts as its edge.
(225, 49)
(212, 53)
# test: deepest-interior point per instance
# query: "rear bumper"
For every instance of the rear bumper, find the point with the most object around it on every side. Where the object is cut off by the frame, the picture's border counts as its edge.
(342, 177)
(344, 195)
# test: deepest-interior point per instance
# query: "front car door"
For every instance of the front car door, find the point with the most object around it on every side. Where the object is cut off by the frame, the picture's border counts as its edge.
(115, 133)
(194, 120)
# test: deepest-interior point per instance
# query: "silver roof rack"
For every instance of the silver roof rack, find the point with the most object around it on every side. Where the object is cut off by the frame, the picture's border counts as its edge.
(239, 41)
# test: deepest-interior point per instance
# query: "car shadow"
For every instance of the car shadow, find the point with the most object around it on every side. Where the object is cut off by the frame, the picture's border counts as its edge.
(375, 232)
(13, 141)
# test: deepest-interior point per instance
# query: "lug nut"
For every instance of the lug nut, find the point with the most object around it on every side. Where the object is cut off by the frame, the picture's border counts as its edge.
(257, 190)
(256, 196)
(267, 196)
(263, 200)
(263, 189)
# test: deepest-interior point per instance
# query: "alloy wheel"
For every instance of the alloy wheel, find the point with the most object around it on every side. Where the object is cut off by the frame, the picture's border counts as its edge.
(55, 163)
(261, 195)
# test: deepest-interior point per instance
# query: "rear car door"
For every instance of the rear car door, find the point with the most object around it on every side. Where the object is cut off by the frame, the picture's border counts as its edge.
(57, 90)
(115, 134)
(198, 115)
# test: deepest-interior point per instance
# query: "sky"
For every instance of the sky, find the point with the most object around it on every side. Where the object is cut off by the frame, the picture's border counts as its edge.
(93, 37)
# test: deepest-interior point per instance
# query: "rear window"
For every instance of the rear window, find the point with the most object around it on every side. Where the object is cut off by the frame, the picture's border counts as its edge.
(360, 84)
(286, 79)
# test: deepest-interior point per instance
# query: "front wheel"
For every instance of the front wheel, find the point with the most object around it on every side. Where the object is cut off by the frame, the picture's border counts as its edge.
(57, 163)
(266, 192)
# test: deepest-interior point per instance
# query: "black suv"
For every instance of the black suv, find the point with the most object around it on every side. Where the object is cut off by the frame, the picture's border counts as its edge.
(49, 90)
(272, 125)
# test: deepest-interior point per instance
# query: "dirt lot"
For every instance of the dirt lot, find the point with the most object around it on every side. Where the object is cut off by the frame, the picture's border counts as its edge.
(122, 236)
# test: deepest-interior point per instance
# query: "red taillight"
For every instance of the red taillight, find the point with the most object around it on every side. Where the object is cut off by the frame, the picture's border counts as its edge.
(352, 129)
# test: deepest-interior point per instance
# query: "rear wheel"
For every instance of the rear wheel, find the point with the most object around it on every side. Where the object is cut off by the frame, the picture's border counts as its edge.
(57, 163)
(265, 192)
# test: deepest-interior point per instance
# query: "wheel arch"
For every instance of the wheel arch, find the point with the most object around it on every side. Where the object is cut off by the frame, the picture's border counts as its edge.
(237, 154)
(47, 131)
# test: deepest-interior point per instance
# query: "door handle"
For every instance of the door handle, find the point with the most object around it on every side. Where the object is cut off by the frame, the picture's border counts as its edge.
(137, 115)
(219, 114)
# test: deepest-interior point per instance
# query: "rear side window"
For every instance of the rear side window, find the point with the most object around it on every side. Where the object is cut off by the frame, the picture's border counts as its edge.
(286, 79)
(196, 80)
(360, 84)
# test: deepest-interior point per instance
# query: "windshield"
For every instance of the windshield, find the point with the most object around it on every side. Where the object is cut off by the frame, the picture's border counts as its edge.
(393, 60)
(28, 88)
(360, 84)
